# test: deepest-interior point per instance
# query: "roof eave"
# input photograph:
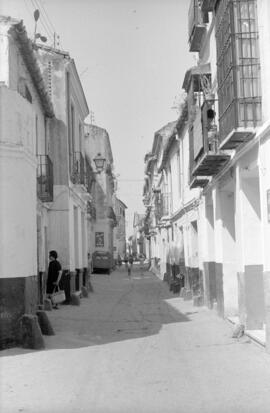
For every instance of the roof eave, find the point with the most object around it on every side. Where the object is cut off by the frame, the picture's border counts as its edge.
(18, 31)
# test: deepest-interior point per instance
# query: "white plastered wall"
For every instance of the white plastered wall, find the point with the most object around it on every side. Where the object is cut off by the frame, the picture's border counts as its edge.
(18, 230)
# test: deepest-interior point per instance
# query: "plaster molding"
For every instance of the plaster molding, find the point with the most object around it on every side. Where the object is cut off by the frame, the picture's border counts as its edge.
(13, 151)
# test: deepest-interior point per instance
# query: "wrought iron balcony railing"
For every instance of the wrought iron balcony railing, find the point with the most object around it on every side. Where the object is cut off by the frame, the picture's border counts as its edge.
(44, 178)
(77, 171)
(206, 158)
(166, 204)
(91, 210)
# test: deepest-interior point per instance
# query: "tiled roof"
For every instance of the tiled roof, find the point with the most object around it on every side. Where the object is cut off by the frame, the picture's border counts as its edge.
(166, 131)
(179, 124)
(26, 46)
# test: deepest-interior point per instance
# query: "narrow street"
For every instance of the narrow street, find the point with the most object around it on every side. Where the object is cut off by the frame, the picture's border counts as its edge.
(134, 131)
(133, 346)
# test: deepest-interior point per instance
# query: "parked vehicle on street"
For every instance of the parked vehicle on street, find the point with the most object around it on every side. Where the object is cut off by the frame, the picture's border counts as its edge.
(102, 260)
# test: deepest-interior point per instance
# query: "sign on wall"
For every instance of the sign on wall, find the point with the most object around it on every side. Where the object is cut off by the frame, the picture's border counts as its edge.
(99, 239)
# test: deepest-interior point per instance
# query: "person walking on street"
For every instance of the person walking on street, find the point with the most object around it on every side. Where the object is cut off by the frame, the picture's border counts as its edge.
(130, 265)
(141, 258)
(126, 261)
(54, 275)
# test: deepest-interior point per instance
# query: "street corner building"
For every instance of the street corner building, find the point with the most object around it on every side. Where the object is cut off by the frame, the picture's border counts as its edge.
(207, 177)
(67, 227)
(51, 196)
(105, 226)
(25, 112)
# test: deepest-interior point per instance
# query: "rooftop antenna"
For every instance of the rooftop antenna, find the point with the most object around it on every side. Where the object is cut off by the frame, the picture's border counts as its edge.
(56, 41)
(92, 117)
(38, 35)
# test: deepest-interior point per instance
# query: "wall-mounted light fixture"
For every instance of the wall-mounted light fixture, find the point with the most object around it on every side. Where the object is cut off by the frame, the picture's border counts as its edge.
(99, 162)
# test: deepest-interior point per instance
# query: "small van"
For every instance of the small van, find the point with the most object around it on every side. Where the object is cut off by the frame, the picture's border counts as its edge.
(102, 260)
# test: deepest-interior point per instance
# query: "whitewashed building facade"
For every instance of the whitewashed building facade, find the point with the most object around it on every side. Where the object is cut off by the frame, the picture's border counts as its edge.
(224, 166)
(26, 181)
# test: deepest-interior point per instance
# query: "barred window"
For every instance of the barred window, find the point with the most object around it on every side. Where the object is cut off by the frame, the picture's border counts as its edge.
(238, 63)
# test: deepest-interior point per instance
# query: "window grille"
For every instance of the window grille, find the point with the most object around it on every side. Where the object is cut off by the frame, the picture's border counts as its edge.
(44, 178)
(238, 64)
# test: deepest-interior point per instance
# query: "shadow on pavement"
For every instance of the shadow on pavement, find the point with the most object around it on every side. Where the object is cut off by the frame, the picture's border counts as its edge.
(120, 308)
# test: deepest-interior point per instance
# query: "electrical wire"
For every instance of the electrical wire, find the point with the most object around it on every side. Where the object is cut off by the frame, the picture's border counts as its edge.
(37, 5)
(46, 17)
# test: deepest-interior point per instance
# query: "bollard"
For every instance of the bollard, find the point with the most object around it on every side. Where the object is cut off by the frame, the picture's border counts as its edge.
(75, 298)
(29, 332)
(47, 304)
(198, 301)
(183, 292)
(188, 295)
(44, 323)
(238, 331)
(84, 292)
(90, 287)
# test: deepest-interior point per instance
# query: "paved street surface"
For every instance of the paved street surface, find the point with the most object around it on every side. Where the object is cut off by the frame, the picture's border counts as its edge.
(134, 347)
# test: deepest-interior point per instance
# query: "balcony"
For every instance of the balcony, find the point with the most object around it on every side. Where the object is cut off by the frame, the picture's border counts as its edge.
(196, 26)
(45, 178)
(91, 210)
(238, 123)
(208, 5)
(207, 160)
(78, 173)
(238, 72)
(147, 199)
(165, 199)
(158, 206)
(198, 182)
(89, 176)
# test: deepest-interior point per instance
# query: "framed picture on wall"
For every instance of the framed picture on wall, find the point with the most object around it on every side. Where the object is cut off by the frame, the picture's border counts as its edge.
(99, 239)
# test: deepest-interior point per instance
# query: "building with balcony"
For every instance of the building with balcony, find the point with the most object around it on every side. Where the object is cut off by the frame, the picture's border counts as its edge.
(229, 112)
(137, 238)
(157, 199)
(97, 143)
(26, 178)
(179, 219)
(69, 212)
(197, 19)
(120, 229)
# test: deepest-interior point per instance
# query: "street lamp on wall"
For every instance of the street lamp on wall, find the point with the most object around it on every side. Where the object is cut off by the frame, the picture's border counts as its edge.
(99, 162)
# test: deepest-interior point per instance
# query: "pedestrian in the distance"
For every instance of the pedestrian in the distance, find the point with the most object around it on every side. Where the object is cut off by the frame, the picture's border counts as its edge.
(54, 274)
(130, 265)
(126, 261)
(141, 258)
